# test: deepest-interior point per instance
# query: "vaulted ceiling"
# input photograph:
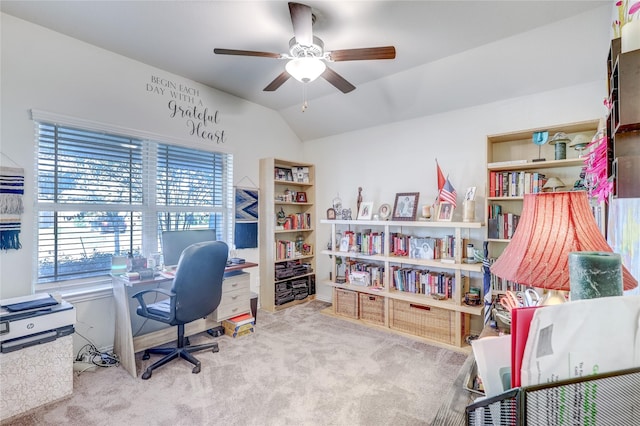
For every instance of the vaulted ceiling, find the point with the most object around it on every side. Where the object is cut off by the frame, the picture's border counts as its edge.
(449, 54)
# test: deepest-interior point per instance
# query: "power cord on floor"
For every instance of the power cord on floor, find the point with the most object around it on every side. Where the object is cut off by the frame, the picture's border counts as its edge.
(89, 357)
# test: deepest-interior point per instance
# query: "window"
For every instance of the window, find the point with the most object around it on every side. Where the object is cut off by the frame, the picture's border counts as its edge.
(103, 194)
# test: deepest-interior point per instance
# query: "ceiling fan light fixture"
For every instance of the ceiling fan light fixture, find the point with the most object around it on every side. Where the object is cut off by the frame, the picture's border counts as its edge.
(305, 69)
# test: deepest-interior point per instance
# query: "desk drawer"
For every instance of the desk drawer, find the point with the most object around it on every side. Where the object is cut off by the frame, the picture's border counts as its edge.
(235, 296)
(228, 310)
(239, 282)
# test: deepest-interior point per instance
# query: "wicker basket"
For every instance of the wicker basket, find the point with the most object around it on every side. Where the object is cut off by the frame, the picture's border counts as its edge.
(421, 320)
(346, 303)
(372, 308)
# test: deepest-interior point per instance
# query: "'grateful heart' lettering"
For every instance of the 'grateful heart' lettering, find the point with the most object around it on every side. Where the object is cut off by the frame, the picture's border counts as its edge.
(193, 112)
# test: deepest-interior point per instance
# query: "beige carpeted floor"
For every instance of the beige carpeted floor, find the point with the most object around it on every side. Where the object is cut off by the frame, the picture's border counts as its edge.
(300, 367)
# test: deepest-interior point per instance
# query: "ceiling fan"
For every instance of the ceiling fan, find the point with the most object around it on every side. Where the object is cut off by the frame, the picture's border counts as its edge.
(307, 55)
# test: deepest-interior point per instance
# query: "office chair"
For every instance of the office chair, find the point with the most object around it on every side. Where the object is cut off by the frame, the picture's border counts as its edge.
(195, 293)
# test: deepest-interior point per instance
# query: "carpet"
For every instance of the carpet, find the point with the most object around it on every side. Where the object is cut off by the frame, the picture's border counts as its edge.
(300, 367)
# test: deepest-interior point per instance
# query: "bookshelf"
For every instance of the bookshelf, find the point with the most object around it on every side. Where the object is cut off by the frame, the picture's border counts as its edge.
(623, 121)
(286, 235)
(511, 174)
(368, 264)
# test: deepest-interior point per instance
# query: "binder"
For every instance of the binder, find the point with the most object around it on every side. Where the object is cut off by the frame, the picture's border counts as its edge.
(520, 321)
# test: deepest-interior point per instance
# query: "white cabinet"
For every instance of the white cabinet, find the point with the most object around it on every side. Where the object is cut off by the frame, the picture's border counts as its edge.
(379, 281)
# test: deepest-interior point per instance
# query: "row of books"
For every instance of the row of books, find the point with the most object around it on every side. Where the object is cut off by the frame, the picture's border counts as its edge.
(515, 183)
(297, 221)
(361, 273)
(365, 242)
(420, 281)
(503, 226)
(286, 249)
(499, 284)
(423, 247)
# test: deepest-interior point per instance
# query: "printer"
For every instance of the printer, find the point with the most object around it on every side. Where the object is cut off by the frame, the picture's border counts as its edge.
(33, 320)
(36, 352)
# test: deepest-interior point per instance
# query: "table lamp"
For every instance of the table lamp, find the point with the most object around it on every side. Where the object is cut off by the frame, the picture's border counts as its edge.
(553, 183)
(552, 225)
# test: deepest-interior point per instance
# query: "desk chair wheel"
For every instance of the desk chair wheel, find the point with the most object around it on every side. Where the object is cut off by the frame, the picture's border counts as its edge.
(215, 349)
(196, 369)
(146, 375)
(146, 356)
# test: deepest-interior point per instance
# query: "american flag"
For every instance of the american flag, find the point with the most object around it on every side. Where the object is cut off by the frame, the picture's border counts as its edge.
(448, 193)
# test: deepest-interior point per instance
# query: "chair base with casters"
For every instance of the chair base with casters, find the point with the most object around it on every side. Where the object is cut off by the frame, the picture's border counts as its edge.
(182, 350)
(196, 293)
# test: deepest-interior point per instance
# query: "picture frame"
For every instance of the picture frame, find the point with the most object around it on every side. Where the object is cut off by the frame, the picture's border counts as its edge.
(301, 197)
(384, 212)
(470, 194)
(331, 214)
(366, 210)
(445, 212)
(344, 244)
(283, 173)
(405, 206)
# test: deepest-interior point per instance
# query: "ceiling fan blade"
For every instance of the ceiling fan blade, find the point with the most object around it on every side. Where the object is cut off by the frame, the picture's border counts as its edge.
(246, 53)
(384, 52)
(277, 82)
(302, 20)
(337, 80)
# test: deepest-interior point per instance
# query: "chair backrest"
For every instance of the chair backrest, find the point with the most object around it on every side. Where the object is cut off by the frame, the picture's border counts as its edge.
(198, 280)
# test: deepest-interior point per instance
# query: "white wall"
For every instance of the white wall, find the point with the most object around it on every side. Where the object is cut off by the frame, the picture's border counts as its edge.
(401, 157)
(47, 71)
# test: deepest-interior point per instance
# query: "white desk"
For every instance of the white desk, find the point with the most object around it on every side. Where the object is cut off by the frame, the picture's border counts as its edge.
(236, 300)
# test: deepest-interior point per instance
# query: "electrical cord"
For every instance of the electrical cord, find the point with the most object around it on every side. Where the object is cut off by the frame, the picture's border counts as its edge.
(90, 354)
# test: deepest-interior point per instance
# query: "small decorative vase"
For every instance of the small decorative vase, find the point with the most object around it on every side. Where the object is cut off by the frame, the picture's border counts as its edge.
(630, 36)
(594, 274)
(426, 212)
(469, 211)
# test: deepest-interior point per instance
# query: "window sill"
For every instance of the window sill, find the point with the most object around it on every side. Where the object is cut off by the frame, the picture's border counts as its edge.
(83, 292)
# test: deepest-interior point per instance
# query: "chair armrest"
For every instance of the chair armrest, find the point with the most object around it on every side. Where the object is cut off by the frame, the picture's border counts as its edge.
(142, 303)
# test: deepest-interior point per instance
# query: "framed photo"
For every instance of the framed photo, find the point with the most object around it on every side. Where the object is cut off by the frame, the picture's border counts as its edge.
(405, 206)
(445, 212)
(384, 211)
(301, 197)
(281, 173)
(331, 214)
(366, 210)
(470, 195)
(344, 244)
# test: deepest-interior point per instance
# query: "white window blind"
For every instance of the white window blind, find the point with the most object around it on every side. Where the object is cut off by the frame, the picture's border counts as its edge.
(103, 194)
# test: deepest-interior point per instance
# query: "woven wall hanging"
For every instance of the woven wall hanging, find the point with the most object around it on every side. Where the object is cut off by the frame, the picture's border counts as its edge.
(11, 206)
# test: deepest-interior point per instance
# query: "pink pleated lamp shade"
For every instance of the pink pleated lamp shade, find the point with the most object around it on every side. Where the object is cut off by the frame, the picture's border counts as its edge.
(551, 225)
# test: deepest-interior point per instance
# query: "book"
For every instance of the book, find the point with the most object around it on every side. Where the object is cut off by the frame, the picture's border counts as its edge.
(506, 163)
(242, 319)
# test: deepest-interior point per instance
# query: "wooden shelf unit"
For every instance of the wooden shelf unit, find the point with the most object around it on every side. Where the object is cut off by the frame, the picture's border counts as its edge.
(517, 146)
(272, 192)
(623, 122)
(452, 324)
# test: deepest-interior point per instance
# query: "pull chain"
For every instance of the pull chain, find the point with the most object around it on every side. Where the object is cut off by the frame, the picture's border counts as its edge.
(305, 104)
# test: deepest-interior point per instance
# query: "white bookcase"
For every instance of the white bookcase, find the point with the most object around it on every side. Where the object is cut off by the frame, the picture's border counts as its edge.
(442, 321)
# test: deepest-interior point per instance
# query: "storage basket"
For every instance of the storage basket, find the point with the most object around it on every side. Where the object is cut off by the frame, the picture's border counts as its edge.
(372, 308)
(346, 303)
(421, 320)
